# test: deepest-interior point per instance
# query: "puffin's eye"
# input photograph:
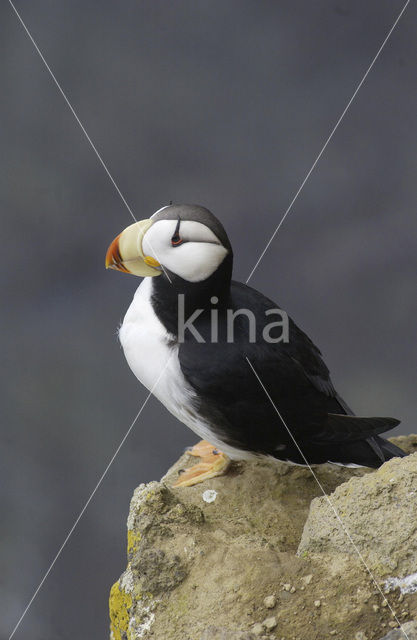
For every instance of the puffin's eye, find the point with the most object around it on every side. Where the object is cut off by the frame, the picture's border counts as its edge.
(176, 239)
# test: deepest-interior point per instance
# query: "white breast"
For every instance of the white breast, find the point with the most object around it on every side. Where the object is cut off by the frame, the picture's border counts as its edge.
(151, 350)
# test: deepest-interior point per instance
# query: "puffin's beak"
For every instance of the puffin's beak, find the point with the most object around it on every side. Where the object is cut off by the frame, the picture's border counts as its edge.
(125, 252)
(113, 258)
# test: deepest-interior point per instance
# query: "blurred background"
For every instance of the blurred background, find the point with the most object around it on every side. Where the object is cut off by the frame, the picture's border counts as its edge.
(225, 104)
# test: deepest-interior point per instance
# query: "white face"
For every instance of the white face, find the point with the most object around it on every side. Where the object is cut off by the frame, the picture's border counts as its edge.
(195, 258)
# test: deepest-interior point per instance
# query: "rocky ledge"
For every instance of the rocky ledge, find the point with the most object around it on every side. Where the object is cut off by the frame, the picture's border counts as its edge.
(260, 553)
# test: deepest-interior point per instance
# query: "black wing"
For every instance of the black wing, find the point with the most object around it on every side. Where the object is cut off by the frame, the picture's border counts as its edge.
(231, 399)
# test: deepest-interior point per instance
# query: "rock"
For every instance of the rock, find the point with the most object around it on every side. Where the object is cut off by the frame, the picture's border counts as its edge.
(216, 633)
(270, 623)
(378, 510)
(406, 443)
(410, 629)
(270, 602)
(258, 629)
(204, 569)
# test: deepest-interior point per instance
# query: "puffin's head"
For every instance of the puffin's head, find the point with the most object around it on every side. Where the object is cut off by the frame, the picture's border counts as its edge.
(185, 240)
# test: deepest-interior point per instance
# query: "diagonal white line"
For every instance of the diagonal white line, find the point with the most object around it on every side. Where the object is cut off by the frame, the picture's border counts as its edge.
(72, 110)
(103, 475)
(80, 123)
(159, 377)
(162, 266)
(313, 166)
(360, 556)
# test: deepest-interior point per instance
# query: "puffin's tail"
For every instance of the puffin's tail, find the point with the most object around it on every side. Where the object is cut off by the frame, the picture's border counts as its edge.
(372, 452)
(383, 450)
(356, 440)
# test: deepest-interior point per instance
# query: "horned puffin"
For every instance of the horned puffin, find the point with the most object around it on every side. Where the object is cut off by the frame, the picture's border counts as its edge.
(205, 377)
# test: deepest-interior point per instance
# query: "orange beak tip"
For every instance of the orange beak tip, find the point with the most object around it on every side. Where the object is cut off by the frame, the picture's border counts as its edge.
(113, 258)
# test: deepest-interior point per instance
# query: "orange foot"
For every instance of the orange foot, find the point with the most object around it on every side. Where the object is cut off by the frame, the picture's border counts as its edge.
(213, 463)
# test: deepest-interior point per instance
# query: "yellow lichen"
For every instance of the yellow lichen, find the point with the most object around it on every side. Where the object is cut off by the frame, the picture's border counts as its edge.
(119, 605)
(133, 539)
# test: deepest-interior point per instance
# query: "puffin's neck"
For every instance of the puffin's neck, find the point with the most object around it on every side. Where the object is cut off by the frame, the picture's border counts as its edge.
(165, 295)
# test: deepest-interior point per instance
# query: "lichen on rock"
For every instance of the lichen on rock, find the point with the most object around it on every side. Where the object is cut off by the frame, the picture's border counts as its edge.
(228, 569)
(120, 603)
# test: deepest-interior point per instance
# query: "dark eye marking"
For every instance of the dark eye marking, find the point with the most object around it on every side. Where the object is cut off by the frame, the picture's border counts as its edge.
(176, 239)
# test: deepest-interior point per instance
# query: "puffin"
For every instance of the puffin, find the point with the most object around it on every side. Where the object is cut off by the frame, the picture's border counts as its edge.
(214, 354)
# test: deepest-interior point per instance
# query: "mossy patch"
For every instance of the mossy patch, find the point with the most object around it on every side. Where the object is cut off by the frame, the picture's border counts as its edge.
(119, 606)
(133, 540)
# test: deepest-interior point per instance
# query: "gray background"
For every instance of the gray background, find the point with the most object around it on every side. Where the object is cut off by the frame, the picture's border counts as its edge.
(221, 103)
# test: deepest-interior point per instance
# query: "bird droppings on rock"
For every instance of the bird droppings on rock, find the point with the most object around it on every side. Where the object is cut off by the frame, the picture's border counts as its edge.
(191, 565)
(209, 496)
(408, 584)
(270, 601)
